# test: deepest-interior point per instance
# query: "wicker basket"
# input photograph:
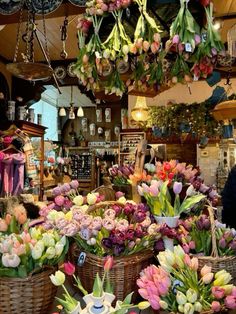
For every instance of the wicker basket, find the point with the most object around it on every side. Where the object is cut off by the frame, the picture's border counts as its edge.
(125, 271)
(123, 275)
(215, 261)
(31, 295)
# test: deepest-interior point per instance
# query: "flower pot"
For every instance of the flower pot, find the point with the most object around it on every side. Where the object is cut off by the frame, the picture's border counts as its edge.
(77, 309)
(96, 305)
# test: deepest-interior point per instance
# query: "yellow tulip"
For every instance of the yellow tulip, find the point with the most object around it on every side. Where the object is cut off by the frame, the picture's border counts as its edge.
(143, 305)
(222, 279)
(163, 304)
(58, 279)
(181, 298)
(228, 289)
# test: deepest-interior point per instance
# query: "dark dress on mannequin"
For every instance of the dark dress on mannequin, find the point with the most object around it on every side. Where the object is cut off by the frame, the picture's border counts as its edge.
(229, 200)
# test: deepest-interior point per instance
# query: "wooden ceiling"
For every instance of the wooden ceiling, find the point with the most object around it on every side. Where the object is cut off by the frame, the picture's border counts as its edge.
(224, 9)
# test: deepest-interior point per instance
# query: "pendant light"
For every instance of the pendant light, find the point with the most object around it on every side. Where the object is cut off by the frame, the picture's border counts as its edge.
(71, 112)
(62, 112)
(140, 111)
(80, 112)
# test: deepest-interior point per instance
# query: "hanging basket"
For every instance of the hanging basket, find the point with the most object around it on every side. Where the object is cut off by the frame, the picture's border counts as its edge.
(215, 261)
(33, 294)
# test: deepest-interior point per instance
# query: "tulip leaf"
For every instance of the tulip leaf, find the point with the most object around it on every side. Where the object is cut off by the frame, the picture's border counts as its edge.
(97, 286)
(189, 202)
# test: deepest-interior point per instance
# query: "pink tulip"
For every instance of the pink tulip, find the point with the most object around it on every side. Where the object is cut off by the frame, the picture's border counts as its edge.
(59, 200)
(187, 260)
(146, 188)
(69, 268)
(153, 190)
(197, 39)
(3, 225)
(218, 292)
(175, 39)
(215, 306)
(230, 302)
(208, 278)
(143, 292)
(154, 301)
(205, 270)
(194, 263)
(109, 262)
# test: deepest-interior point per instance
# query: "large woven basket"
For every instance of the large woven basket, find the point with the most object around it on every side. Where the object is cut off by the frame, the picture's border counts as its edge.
(125, 271)
(31, 295)
(123, 274)
(215, 261)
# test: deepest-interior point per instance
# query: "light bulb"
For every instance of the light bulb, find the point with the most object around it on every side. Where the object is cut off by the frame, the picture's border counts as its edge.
(62, 112)
(71, 114)
(80, 112)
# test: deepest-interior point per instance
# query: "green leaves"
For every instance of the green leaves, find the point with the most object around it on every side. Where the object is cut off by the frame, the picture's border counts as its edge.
(97, 287)
(190, 202)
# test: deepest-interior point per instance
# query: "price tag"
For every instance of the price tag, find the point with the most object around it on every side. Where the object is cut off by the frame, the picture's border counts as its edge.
(188, 47)
(81, 259)
(204, 37)
(195, 78)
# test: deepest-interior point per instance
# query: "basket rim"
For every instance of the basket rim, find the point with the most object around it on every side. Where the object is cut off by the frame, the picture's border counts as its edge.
(120, 260)
(217, 258)
(48, 269)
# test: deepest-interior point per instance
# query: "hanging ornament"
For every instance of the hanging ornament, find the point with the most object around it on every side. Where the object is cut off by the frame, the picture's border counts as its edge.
(64, 35)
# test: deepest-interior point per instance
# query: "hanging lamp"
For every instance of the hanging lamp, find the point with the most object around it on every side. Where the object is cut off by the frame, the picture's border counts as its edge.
(80, 112)
(28, 69)
(140, 111)
(62, 112)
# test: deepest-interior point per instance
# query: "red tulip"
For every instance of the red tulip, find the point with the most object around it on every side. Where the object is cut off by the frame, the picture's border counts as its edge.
(205, 3)
(109, 261)
(69, 268)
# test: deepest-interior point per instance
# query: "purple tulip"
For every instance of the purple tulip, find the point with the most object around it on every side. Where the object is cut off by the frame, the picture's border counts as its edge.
(233, 245)
(222, 243)
(119, 249)
(59, 200)
(177, 187)
(143, 207)
(159, 246)
(203, 188)
(126, 171)
(65, 188)
(68, 204)
(117, 209)
(175, 39)
(74, 184)
(197, 39)
(107, 243)
(214, 51)
(129, 234)
(139, 216)
(56, 191)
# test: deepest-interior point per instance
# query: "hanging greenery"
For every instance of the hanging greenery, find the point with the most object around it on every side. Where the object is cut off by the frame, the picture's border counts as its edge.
(176, 119)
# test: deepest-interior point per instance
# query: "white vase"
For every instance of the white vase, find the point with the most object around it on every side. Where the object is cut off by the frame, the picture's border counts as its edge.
(77, 309)
(171, 222)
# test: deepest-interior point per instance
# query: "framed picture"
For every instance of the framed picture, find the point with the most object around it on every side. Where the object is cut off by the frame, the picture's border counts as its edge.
(108, 114)
(99, 114)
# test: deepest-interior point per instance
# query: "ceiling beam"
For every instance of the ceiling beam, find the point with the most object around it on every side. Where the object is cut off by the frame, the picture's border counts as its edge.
(65, 9)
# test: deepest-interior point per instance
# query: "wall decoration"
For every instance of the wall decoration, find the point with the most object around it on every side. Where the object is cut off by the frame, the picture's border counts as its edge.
(117, 130)
(99, 114)
(92, 129)
(10, 7)
(108, 115)
(84, 125)
(108, 135)
(70, 69)
(43, 7)
(100, 131)
(124, 118)
(60, 72)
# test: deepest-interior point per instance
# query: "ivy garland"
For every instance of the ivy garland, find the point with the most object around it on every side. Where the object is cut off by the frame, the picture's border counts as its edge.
(176, 119)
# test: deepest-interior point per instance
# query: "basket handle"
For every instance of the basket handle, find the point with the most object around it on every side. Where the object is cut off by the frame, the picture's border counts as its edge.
(214, 252)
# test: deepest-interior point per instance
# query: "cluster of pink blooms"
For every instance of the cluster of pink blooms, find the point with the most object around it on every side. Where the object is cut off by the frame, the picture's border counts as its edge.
(99, 7)
(140, 45)
(116, 230)
(205, 66)
(84, 25)
(154, 283)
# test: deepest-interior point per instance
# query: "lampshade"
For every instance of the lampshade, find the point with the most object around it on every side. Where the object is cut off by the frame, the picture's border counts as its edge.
(80, 112)
(62, 112)
(140, 111)
(225, 110)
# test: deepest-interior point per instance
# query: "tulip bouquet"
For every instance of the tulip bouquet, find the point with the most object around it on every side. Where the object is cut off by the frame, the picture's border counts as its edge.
(118, 230)
(194, 234)
(29, 251)
(120, 174)
(178, 285)
(102, 294)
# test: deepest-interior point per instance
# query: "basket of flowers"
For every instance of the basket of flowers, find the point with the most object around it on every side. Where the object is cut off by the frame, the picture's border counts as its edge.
(27, 259)
(181, 285)
(124, 230)
(212, 242)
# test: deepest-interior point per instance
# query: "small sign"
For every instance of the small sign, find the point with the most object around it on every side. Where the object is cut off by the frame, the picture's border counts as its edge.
(81, 259)
(204, 37)
(188, 47)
